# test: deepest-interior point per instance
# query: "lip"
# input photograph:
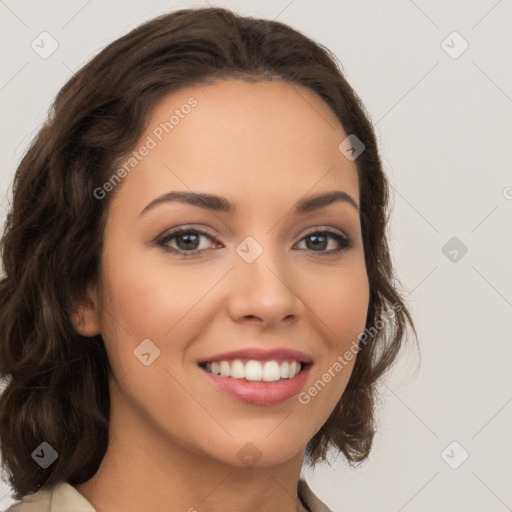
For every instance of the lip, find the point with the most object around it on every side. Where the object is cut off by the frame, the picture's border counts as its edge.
(256, 392)
(260, 354)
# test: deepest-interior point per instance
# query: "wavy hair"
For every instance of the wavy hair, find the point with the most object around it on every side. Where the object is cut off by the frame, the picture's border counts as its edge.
(56, 381)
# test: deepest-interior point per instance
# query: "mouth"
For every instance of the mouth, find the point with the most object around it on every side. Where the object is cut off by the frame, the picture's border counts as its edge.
(258, 377)
(253, 370)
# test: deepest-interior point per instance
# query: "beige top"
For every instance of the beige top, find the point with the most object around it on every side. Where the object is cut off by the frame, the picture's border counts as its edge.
(65, 498)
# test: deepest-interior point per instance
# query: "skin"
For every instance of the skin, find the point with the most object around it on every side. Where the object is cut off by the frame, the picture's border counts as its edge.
(174, 437)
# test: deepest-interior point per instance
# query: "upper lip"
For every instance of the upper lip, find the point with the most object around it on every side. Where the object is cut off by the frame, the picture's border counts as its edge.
(260, 354)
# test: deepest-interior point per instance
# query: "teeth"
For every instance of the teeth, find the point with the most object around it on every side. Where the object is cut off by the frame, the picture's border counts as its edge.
(268, 371)
(237, 370)
(253, 370)
(225, 369)
(271, 371)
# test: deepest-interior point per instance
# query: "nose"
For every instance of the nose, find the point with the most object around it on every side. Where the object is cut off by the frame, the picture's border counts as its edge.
(264, 291)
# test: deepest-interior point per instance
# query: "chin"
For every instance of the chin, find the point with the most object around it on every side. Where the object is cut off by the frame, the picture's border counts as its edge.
(260, 450)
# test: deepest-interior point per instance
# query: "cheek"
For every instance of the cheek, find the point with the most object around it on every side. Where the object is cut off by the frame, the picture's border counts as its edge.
(341, 310)
(133, 298)
(341, 306)
(147, 298)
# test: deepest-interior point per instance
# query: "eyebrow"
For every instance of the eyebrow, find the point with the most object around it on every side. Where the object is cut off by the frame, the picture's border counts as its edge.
(221, 204)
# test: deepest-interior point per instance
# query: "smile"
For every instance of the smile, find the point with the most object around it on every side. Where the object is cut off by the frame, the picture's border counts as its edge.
(253, 370)
(258, 376)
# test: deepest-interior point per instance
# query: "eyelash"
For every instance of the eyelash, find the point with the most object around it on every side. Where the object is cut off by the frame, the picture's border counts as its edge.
(345, 242)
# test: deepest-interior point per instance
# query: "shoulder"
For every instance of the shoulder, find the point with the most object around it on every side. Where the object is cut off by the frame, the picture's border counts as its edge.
(37, 502)
(60, 498)
(308, 498)
(64, 498)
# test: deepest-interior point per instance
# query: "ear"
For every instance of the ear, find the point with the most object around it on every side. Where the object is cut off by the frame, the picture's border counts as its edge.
(85, 314)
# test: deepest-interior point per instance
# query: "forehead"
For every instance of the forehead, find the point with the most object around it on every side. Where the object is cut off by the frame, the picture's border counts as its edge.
(233, 137)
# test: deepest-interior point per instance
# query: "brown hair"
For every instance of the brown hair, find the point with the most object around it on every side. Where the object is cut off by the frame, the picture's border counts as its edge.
(56, 381)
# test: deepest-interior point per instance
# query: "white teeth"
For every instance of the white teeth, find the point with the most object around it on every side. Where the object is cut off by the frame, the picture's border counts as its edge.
(237, 370)
(253, 370)
(268, 371)
(225, 369)
(271, 371)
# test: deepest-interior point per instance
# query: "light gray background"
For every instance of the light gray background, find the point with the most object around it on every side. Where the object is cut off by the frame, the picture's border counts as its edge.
(445, 129)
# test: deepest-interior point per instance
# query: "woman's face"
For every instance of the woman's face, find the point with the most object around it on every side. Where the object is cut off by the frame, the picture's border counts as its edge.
(263, 287)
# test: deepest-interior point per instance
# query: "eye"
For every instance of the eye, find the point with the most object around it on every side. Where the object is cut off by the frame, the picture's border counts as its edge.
(319, 240)
(186, 242)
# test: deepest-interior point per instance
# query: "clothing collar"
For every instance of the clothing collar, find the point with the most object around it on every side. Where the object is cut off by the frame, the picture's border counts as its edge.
(64, 497)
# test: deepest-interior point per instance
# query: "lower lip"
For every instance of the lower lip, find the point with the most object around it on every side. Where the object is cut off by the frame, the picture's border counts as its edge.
(260, 393)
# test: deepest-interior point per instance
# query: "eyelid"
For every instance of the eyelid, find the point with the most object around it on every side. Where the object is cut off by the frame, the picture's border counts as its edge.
(345, 243)
(203, 231)
(328, 229)
(178, 230)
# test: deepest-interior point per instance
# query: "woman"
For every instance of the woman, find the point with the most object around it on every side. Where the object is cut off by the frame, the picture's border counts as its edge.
(198, 294)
